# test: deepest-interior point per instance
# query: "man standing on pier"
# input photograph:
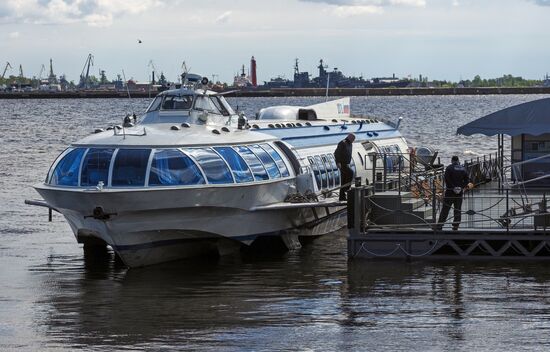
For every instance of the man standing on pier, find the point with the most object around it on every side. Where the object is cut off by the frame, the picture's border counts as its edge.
(342, 154)
(456, 180)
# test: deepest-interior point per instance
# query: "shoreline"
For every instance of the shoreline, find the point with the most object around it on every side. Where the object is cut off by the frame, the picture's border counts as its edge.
(291, 92)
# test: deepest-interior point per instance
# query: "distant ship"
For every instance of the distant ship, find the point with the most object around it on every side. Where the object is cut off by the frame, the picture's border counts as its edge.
(334, 79)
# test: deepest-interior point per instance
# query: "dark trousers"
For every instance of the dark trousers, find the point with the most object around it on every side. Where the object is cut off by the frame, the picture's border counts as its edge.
(451, 199)
(346, 177)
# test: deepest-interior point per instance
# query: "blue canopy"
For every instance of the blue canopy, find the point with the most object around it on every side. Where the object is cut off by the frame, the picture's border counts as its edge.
(528, 118)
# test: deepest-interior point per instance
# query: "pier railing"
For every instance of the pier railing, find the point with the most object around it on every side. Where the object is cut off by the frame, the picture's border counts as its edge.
(407, 193)
(403, 172)
(482, 208)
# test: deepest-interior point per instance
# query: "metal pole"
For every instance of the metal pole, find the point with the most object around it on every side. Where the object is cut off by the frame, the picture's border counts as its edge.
(373, 173)
(507, 211)
(385, 172)
(434, 212)
(399, 178)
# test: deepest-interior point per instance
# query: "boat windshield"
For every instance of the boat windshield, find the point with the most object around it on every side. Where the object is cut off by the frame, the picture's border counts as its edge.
(212, 104)
(177, 102)
(155, 104)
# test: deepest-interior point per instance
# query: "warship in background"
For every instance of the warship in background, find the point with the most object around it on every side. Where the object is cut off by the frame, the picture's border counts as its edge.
(333, 79)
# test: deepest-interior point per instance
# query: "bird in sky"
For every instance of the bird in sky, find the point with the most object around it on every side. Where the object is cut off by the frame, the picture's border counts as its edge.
(139, 41)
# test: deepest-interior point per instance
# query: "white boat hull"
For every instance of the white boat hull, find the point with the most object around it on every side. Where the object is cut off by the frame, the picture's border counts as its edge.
(146, 227)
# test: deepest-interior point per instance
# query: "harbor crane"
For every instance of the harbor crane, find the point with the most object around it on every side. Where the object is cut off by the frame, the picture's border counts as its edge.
(52, 78)
(154, 72)
(85, 75)
(5, 69)
(42, 69)
(21, 76)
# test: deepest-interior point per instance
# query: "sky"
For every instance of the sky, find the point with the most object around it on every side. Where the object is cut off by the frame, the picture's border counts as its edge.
(438, 39)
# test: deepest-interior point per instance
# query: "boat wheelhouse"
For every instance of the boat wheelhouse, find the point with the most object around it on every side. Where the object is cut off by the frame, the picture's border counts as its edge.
(193, 176)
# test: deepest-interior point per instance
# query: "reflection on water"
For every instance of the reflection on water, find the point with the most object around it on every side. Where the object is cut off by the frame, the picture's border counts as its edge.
(310, 299)
(53, 297)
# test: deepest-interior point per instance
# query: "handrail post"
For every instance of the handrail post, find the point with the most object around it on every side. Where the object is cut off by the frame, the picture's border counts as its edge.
(385, 171)
(374, 159)
(508, 211)
(434, 212)
(399, 177)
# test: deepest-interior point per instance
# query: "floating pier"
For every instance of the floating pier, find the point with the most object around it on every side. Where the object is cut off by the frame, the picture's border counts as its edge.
(497, 223)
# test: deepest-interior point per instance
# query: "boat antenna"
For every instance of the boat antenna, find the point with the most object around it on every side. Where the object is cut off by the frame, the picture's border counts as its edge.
(127, 88)
(129, 97)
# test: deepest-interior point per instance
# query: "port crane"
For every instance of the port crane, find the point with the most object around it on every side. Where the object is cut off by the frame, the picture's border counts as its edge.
(155, 74)
(21, 76)
(52, 78)
(42, 69)
(5, 69)
(84, 76)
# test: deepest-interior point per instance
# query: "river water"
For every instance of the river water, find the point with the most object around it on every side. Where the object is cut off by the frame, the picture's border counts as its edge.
(52, 297)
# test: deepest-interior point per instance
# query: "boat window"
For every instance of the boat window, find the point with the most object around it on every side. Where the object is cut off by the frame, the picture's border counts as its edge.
(335, 170)
(66, 170)
(130, 167)
(177, 102)
(219, 106)
(204, 103)
(155, 104)
(170, 167)
(236, 163)
(95, 167)
(255, 164)
(316, 171)
(330, 174)
(212, 164)
(324, 177)
(278, 160)
(268, 162)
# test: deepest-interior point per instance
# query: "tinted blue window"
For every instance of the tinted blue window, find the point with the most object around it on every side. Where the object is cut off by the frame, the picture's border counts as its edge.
(66, 171)
(236, 163)
(171, 167)
(252, 160)
(316, 171)
(212, 164)
(130, 167)
(328, 167)
(323, 171)
(268, 162)
(278, 160)
(95, 167)
(335, 170)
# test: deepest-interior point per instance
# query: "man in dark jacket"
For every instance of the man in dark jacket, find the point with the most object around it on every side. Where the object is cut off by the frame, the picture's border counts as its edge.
(342, 154)
(456, 179)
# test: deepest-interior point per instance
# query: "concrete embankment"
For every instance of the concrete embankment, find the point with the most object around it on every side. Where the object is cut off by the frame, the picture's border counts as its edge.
(290, 92)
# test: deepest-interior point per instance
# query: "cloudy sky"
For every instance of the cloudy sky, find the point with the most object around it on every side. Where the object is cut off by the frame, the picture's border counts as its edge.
(441, 39)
